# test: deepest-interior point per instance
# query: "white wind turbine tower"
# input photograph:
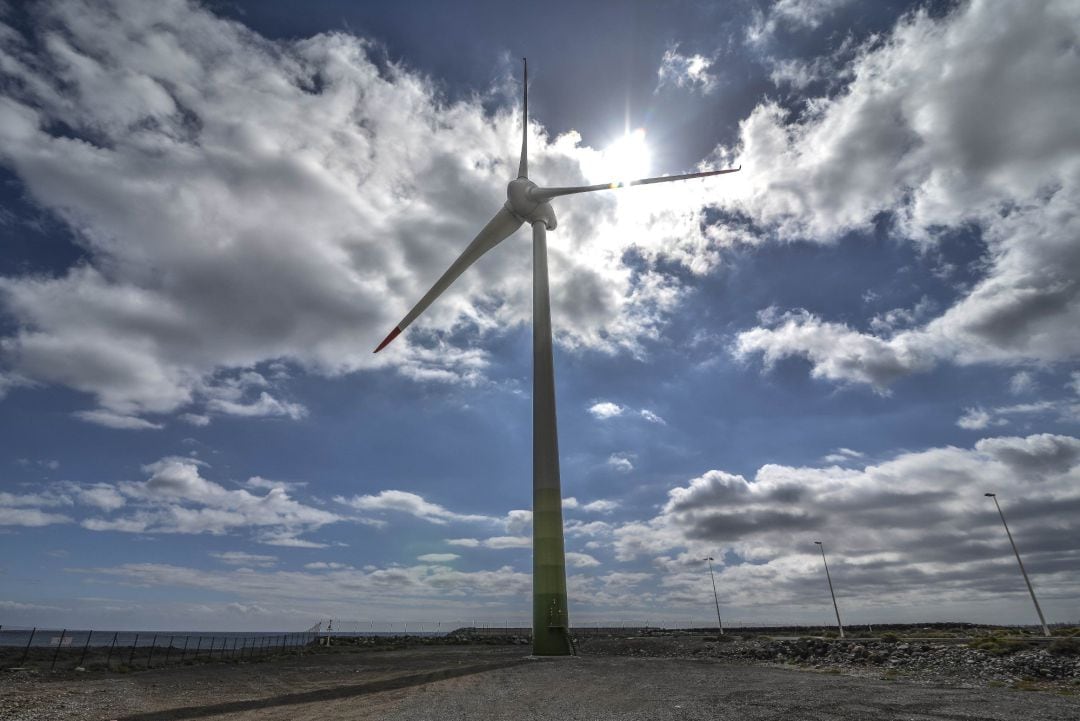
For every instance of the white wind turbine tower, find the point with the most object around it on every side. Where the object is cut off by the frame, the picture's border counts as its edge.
(528, 203)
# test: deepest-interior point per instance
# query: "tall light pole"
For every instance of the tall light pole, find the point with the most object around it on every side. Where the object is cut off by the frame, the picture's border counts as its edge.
(716, 598)
(831, 592)
(1038, 610)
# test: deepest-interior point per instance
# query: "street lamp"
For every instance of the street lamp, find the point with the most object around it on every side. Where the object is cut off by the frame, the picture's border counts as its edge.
(831, 592)
(716, 599)
(1038, 610)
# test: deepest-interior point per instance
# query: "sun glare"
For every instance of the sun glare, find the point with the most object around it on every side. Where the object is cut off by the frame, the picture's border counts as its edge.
(624, 160)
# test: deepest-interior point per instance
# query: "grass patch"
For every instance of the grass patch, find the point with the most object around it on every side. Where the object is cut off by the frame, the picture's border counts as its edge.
(997, 646)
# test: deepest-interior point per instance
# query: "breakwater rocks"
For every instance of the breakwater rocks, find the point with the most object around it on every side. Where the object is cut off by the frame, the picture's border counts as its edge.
(984, 662)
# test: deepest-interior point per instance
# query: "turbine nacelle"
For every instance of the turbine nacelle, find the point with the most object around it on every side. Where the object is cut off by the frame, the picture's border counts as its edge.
(520, 202)
(526, 202)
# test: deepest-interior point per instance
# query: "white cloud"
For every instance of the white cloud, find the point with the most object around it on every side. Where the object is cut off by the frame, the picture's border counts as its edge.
(411, 504)
(178, 499)
(685, 71)
(100, 495)
(240, 558)
(600, 506)
(606, 409)
(117, 420)
(1022, 382)
(438, 557)
(986, 149)
(494, 542)
(267, 484)
(620, 462)
(651, 417)
(265, 405)
(500, 542)
(279, 183)
(919, 515)
(580, 560)
(386, 588)
(975, 419)
(979, 418)
(792, 15)
(30, 517)
(325, 566)
(842, 455)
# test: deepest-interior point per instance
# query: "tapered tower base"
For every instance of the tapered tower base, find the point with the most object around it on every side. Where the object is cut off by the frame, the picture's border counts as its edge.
(551, 635)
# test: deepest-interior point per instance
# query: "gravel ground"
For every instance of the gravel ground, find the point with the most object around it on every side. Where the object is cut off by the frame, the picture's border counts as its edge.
(611, 680)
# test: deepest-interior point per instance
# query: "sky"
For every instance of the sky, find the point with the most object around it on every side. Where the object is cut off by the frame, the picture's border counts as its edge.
(211, 213)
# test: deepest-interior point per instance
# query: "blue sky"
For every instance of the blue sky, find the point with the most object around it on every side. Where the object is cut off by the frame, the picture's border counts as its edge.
(212, 213)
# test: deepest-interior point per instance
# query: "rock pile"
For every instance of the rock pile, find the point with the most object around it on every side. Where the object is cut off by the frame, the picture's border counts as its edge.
(1002, 662)
(922, 659)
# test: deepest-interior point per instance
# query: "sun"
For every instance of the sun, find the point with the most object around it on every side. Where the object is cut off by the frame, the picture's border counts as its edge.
(626, 159)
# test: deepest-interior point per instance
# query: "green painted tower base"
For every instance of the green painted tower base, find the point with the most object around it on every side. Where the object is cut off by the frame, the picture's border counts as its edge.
(551, 632)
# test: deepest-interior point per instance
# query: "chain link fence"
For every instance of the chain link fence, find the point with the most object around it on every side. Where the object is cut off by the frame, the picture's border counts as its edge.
(89, 650)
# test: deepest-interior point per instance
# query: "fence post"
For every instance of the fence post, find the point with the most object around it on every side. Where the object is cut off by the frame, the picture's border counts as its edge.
(283, 642)
(232, 654)
(27, 649)
(243, 647)
(197, 647)
(58, 647)
(168, 651)
(86, 645)
(150, 658)
(111, 647)
(133, 647)
(224, 644)
(183, 654)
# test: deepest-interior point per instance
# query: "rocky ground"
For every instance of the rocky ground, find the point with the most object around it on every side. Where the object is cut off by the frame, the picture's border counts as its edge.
(656, 676)
(998, 662)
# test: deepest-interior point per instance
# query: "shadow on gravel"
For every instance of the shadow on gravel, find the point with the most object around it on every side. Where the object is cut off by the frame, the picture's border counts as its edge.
(329, 694)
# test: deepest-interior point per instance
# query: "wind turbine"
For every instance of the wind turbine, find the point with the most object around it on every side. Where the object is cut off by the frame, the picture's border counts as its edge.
(528, 203)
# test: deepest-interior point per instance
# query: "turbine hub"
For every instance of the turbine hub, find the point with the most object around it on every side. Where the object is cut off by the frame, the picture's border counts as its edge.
(519, 202)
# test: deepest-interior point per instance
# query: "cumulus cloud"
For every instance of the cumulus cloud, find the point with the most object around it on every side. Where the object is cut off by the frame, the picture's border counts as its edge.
(240, 201)
(176, 498)
(990, 149)
(620, 462)
(606, 409)
(438, 557)
(915, 522)
(580, 560)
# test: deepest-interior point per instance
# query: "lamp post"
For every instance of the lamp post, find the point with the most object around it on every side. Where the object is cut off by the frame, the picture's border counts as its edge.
(1038, 610)
(831, 592)
(716, 599)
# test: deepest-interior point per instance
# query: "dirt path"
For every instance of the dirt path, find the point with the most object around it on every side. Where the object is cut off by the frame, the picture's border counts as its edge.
(488, 683)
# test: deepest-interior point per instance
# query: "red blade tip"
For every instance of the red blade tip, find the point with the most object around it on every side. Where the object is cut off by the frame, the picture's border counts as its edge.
(386, 341)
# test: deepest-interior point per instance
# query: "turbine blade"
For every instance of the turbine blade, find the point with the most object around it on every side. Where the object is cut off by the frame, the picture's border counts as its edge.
(498, 229)
(541, 194)
(523, 164)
